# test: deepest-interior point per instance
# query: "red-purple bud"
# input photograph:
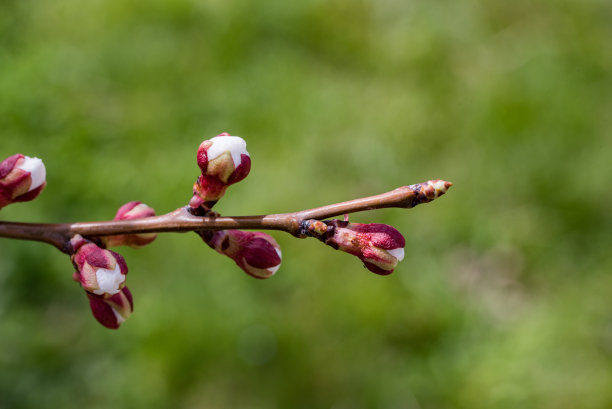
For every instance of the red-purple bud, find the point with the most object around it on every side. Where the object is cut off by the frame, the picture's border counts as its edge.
(131, 211)
(379, 246)
(258, 254)
(111, 311)
(224, 161)
(21, 179)
(100, 271)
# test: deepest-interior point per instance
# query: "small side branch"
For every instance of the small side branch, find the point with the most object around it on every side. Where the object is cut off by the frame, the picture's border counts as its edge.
(181, 220)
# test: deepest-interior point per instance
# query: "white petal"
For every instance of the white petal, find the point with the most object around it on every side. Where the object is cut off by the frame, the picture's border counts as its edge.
(274, 269)
(120, 319)
(397, 253)
(37, 171)
(109, 280)
(235, 145)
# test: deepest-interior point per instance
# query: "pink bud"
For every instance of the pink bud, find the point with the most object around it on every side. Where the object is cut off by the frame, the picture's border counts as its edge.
(258, 254)
(100, 271)
(224, 161)
(379, 246)
(130, 211)
(112, 311)
(21, 179)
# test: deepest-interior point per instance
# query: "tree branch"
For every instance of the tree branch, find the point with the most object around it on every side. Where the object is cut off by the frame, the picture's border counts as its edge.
(182, 220)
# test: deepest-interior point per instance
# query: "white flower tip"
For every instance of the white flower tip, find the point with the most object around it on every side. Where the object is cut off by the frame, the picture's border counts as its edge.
(109, 280)
(37, 171)
(235, 145)
(118, 316)
(274, 269)
(397, 253)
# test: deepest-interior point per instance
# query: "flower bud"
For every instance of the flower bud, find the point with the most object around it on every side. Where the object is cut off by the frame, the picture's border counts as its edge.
(130, 211)
(111, 311)
(100, 271)
(379, 246)
(258, 254)
(224, 161)
(21, 179)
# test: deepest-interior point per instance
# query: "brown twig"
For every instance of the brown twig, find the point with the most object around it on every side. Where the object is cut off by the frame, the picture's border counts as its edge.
(181, 220)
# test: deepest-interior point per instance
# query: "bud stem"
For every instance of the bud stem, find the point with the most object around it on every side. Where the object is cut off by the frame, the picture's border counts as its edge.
(182, 220)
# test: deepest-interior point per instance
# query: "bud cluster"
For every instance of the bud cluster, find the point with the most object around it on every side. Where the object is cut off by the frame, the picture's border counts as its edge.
(102, 273)
(223, 160)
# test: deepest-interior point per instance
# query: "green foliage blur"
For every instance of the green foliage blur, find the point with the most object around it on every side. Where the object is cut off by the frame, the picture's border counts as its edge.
(504, 299)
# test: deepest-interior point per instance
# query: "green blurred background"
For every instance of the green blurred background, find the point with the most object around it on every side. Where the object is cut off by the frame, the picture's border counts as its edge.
(504, 299)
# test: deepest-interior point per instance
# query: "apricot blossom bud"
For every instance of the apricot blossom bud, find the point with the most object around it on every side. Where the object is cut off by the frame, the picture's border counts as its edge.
(224, 161)
(258, 254)
(100, 271)
(111, 311)
(131, 211)
(379, 246)
(21, 179)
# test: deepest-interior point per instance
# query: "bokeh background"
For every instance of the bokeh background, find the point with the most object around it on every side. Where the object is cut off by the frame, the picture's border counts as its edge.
(504, 299)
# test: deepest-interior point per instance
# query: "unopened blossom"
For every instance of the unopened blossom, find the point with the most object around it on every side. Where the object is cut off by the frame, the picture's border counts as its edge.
(379, 246)
(22, 178)
(111, 311)
(258, 254)
(131, 211)
(223, 161)
(100, 271)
